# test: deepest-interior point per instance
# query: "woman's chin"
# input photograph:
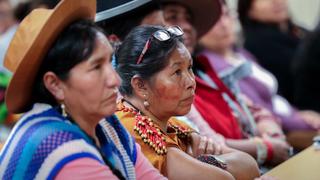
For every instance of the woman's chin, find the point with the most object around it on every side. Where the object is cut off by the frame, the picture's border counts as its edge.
(110, 110)
(184, 111)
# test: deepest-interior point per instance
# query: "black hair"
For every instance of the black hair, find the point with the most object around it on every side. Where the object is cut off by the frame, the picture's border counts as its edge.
(122, 24)
(155, 59)
(24, 8)
(73, 45)
(244, 7)
(50, 4)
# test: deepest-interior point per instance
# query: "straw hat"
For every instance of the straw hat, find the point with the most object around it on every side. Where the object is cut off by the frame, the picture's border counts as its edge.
(205, 13)
(31, 42)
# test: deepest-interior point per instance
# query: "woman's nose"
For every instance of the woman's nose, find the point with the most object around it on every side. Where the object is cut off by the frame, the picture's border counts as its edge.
(185, 25)
(113, 79)
(190, 81)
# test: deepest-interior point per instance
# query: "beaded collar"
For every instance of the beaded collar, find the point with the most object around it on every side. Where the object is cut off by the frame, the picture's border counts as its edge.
(152, 135)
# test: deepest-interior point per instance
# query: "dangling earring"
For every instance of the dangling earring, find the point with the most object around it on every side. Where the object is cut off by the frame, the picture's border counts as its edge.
(63, 110)
(145, 102)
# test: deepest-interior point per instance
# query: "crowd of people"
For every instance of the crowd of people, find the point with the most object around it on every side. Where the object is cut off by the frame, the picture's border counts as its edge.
(153, 89)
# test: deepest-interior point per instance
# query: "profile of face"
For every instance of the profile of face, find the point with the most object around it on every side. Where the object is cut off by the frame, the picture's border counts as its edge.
(170, 92)
(154, 18)
(269, 11)
(92, 85)
(222, 35)
(6, 17)
(176, 14)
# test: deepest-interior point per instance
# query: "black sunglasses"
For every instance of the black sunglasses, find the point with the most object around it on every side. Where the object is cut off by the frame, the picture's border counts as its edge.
(161, 35)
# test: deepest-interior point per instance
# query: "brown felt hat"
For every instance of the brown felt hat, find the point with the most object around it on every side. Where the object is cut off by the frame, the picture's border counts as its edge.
(205, 13)
(31, 42)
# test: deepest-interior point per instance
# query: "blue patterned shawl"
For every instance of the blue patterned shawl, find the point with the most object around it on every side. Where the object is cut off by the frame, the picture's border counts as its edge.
(43, 141)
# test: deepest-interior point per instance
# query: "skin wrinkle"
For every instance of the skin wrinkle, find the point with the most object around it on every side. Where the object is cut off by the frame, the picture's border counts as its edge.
(223, 33)
(169, 90)
(94, 75)
(175, 14)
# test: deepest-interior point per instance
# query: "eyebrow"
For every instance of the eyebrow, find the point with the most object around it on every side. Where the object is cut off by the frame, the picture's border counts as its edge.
(95, 59)
(173, 10)
(178, 63)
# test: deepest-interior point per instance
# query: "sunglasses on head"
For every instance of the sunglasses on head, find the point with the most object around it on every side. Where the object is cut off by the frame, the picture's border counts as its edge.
(161, 35)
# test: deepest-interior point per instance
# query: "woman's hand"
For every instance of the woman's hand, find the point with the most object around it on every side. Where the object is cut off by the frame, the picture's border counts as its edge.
(312, 118)
(280, 150)
(202, 145)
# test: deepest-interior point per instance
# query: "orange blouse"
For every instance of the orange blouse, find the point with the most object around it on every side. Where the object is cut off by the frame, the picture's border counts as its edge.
(153, 141)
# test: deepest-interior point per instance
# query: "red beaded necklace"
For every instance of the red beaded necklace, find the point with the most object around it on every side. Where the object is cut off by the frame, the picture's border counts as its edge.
(151, 134)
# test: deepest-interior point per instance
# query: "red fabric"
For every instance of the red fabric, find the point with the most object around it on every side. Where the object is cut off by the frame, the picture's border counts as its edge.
(211, 105)
(269, 150)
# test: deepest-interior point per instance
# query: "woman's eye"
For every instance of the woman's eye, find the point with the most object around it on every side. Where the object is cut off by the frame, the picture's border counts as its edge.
(178, 72)
(171, 18)
(97, 66)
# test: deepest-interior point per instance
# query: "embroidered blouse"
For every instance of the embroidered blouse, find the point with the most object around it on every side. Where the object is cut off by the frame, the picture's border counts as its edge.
(43, 142)
(151, 138)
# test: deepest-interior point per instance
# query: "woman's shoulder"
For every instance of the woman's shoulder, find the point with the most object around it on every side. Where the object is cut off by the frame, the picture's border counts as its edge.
(152, 143)
(46, 126)
(126, 118)
(180, 124)
(44, 136)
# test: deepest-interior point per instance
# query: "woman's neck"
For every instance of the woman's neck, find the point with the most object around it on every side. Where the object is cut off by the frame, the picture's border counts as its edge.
(86, 123)
(138, 105)
(223, 52)
(228, 55)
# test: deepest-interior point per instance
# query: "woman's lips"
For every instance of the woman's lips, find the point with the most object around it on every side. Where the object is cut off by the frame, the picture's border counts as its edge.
(189, 99)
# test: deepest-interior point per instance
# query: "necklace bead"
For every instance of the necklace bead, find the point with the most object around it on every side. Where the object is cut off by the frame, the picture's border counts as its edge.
(151, 135)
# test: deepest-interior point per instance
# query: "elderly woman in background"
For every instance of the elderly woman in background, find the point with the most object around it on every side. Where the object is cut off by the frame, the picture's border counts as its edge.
(271, 36)
(62, 71)
(219, 45)
(213, 110)
(158, 83)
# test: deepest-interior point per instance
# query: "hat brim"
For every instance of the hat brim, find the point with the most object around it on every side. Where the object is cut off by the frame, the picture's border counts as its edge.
(205, 13)
(120, 9)
(19, 91)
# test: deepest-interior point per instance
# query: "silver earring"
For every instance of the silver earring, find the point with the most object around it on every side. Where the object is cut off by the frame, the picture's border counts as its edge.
(63, 110)
(145, 102)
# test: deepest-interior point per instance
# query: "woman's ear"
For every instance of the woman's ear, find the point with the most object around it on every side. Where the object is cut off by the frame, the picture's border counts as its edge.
(53, 85)
(139, 86)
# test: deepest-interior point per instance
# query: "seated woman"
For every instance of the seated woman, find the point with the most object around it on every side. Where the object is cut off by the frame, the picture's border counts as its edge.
(157, 84)
(241, 73)
(216, 107)
(270, 22)
(62, 69)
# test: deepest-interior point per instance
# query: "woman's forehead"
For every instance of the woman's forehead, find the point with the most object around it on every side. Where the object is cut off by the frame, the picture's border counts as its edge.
(103, 39)
(180, 55)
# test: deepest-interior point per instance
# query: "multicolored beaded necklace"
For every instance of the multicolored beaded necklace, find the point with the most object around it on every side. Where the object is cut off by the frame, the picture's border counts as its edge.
(151, 134)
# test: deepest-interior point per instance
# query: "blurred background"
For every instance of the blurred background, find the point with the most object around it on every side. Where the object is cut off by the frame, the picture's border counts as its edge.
(305, 13)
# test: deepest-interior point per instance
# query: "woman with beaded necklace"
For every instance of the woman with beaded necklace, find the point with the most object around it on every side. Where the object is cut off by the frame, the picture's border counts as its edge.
(157, 84)
(64, 82)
